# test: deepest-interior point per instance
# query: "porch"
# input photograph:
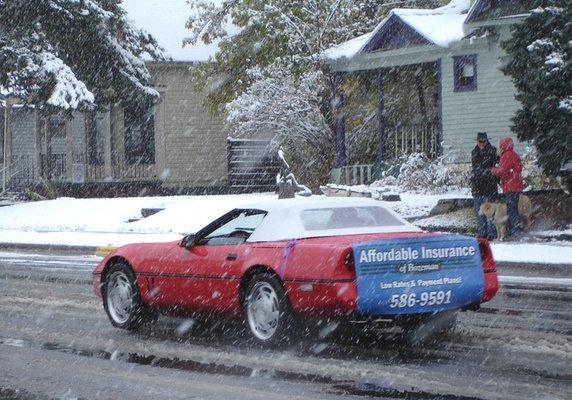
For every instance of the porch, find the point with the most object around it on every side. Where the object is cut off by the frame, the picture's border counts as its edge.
(89, 148)
(384, 113)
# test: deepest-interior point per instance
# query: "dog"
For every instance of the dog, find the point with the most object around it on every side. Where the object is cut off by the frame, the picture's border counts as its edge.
(497, 214)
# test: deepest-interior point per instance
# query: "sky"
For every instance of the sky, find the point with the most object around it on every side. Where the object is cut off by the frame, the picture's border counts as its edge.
(165, 20)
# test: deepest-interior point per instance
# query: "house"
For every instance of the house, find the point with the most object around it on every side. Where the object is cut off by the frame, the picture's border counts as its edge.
(172, 146)
(437, 78)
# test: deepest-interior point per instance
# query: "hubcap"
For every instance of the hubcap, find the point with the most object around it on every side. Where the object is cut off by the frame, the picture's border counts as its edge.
(119, 297)
(263, 310)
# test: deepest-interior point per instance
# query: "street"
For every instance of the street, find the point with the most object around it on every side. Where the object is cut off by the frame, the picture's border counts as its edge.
(57, 343)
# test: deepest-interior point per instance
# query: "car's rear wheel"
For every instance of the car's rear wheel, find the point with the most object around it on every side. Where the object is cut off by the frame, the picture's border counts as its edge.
(268, 315)
(428, 327)
(121, 299)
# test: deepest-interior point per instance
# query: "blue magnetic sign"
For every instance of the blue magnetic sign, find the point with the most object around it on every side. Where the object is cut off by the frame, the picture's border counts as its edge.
(417, 274)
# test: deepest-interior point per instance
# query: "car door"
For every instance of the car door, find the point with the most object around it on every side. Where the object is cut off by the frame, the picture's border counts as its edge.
(205, 276)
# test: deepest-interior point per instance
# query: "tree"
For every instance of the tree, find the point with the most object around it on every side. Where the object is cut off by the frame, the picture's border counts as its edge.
(271, 73)
(539, 65)
(290, 34)
(63, 55)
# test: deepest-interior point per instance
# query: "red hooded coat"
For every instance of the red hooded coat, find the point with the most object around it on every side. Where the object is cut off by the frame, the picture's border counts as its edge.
(509, 167)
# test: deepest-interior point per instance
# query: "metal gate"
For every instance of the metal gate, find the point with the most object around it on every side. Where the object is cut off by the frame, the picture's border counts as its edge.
(252, 165)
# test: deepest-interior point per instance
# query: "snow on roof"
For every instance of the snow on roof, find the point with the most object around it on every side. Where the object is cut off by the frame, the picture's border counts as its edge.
(441, 26)
(348, 49)
(166, 20)
(440, 29)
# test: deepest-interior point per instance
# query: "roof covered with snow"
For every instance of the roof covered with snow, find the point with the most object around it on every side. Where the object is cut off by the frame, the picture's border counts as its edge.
(165, 21)
(441, 26)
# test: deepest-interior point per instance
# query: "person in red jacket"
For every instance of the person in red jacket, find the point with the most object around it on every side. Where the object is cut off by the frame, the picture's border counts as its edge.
(509, 171)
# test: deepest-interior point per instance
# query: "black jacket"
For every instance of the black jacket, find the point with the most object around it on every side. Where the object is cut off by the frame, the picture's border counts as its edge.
(482, 182)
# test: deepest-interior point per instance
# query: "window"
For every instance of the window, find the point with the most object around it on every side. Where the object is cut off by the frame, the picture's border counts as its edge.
(465, 72)
(139, 125)
(347, 217)
(235, 228)
(94, 140)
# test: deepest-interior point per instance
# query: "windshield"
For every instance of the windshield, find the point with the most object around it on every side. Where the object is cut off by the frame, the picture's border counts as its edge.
(347, 217)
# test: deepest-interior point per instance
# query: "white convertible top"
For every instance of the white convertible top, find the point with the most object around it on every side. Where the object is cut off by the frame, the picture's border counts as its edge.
(284, 218)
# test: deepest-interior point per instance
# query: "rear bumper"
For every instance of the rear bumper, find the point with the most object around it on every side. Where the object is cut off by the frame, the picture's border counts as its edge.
(491, 286)
(322, 299)
(338, 298)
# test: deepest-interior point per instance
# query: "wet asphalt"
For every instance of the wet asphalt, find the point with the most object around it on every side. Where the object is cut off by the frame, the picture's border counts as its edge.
(56, 343)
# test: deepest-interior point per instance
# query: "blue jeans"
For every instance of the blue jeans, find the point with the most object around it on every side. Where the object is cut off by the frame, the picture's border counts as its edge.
(513, 215)
(485, 228)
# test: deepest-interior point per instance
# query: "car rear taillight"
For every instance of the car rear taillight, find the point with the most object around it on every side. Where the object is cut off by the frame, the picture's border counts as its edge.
(349, 263)
(486, 256)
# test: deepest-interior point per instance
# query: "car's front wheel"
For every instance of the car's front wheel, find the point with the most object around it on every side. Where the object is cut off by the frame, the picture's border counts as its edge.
(121, 299)
(268, 314)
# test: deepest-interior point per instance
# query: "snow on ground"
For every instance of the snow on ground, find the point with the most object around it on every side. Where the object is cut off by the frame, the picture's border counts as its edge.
(534, 253)
(411, 205)
(460, 220)
(414, 205)
(84, 239)
(181, 214)
(105, 222)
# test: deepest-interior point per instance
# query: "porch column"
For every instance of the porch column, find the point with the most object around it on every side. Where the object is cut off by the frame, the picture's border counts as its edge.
(380, 116)
(7, 151)
(107, 146)
(48, 145)
(439, 136)
(69, 150)
(338, 102)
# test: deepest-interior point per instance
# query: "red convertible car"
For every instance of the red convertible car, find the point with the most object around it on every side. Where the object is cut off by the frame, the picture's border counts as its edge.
(280, 261)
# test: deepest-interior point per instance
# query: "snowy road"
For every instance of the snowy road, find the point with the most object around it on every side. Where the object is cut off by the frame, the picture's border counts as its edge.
(56, 342)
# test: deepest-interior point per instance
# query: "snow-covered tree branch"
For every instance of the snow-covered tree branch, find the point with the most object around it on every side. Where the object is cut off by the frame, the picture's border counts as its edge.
(72, 54)
(284, 106)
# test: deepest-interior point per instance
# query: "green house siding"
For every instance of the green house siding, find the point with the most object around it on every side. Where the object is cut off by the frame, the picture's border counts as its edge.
(489, 108)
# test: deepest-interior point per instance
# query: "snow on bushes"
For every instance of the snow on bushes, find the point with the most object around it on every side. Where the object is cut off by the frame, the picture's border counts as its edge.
(419, 173)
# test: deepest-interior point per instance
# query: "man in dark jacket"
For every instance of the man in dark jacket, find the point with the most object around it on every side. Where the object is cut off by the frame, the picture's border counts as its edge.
(483, 184)
(509, 171)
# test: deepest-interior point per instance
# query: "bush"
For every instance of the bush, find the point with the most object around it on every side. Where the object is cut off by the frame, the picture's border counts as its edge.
(419, 173)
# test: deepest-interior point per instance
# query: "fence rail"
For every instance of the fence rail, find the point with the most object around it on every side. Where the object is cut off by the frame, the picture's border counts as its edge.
(359, 174)
(411, 138)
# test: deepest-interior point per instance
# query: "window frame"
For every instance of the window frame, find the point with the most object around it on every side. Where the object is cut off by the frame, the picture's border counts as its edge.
(459, 62)
(94, 139)
(225, 219)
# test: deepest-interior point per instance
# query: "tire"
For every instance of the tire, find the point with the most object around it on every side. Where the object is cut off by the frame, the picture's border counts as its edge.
(121, 299)
(267, 312)
(428, 327)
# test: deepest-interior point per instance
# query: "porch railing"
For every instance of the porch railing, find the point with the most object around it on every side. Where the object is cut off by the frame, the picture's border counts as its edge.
(360, 174)
(411, 138)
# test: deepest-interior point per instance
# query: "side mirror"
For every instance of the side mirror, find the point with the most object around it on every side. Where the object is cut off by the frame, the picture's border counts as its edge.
(188, 242)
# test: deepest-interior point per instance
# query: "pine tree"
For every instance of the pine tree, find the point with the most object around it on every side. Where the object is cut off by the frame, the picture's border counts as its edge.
(72, 54)
(540, 51)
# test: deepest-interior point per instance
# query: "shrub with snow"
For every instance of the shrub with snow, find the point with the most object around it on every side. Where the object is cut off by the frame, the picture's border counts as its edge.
(419, 173)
